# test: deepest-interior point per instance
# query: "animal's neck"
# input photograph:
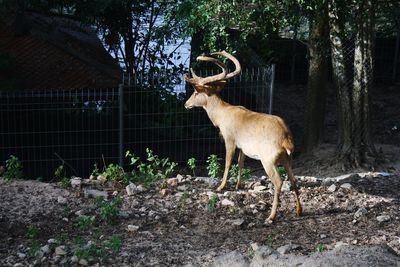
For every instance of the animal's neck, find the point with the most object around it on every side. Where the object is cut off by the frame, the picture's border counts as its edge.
(215, 109)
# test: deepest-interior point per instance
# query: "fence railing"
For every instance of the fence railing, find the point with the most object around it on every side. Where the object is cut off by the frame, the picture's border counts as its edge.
(83, 127)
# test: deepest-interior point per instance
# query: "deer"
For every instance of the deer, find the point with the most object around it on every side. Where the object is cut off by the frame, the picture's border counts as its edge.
(257, 135)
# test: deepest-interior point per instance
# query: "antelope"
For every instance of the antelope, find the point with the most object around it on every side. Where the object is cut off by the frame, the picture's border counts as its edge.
(259, 136)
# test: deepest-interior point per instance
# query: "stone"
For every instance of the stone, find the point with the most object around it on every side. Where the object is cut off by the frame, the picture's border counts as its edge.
(212, 182)
(260, 255)
(180, 178)
(182, 188)
(287, 248)
(235, 222)
(259, 188)
(52, 241)
(93, 193)
(383, 218)
(102, 178)
(83, 262)
(61, 200)
(74, 259)
(360, 212)
(60, 251)
(231, 259)
(346, 186)
(172, 182)
(226, 202)
(45, 249)
(332, 188)
(21, 255)
(131, 189)
(340, 244)
(286, 186)
(76, 182)
(133, 228)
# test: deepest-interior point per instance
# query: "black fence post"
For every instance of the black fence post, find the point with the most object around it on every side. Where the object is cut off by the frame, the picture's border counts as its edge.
(121, 125)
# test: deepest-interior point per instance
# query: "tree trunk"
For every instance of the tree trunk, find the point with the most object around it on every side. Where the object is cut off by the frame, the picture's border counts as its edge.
(317, 81)
(355, 146)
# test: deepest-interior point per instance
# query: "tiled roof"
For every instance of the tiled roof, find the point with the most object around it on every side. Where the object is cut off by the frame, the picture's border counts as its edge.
(58, 53)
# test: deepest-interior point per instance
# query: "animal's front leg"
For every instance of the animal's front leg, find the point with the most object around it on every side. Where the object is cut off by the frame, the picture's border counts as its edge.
(242, 156)
(230, 151)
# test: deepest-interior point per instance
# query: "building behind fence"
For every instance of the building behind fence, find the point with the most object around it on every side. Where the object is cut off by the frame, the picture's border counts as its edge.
(83, 127)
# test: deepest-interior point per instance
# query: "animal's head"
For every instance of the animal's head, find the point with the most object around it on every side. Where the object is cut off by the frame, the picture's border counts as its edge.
(211, 85)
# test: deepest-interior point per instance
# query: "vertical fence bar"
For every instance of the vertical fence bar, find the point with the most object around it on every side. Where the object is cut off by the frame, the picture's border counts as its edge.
(121, 125)
(271, 88)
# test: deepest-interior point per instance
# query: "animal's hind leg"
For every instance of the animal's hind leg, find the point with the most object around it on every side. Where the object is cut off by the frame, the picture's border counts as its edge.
(270, 168)
(287, 163)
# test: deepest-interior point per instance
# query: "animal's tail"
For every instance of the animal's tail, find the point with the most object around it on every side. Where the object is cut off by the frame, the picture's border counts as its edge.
(288, 144)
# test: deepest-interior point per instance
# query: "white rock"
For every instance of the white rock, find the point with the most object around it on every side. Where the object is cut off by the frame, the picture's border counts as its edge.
(76, 182)
(45, 249)
(227, 202)
(61, 200)
(131, 189)
(360, 212)
(102, 178)
(346, 186)
(180, 178)
(83, 262)
(286, 186)
(133, 228)
(236, 222)
(74, 259)
(287, 248)
(232, 259)
(52, 241)
(172, 182)
(259, 188)
(332, 188)
(383, 218)
(21, 255)
(182, 188)
(88, 193)
(340, 244)
(60, 251)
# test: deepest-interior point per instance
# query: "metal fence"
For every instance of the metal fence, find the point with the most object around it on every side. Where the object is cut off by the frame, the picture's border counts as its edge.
(80, 128)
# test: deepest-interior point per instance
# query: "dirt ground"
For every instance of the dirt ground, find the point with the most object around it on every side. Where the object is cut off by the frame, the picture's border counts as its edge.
(346, 215)
(351, 220)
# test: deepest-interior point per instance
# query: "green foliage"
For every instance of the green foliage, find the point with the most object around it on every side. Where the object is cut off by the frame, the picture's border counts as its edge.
(320, 248)
(84, 222)
(109, 209)
(33, 235)
(269, 240)
(234, 172)
(66, 211)
(192, 165)
(95, 171)
(212, 202)
(151, 171)
(282, 171)
(183, 200)
(116, 173)
(213, 167)
(102, 250)
(14, 169)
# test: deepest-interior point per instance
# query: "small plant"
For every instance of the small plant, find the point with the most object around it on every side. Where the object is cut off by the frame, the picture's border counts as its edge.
(151, 171)
(213, 167)
(66, 211)
(212, 202)
(281, 170)
(33, 235)
(109, 209)
(114, 244)
(117, 174)
(183, 200)
(192, 165)
(320, 248)
(234, 172)
(14, 169)
(84, 222)
(95, 171)
(269, 240)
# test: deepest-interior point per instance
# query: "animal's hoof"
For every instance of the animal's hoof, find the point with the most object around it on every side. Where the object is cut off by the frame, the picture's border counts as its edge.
(299, 211)
(269, 221)
(219, 189)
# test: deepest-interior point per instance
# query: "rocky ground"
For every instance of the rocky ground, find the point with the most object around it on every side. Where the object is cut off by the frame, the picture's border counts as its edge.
(349, 220)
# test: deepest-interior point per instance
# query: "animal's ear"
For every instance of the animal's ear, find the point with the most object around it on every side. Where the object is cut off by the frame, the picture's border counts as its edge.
(199, 88)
